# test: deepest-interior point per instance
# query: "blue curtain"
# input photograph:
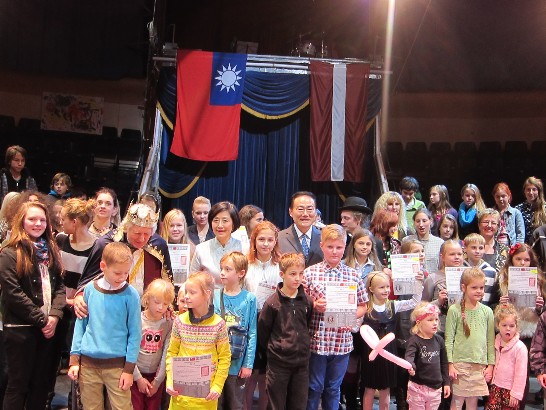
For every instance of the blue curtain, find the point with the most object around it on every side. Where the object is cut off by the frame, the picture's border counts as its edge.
(273, 160)
(274, 96)
(266, 172)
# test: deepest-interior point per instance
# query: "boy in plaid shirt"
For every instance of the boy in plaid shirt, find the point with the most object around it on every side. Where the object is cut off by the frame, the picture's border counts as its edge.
(330, 347)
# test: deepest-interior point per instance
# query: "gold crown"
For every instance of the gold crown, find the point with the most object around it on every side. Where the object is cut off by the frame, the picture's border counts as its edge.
(142, 215)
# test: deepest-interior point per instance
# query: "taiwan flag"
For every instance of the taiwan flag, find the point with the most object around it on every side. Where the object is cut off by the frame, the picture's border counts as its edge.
(338, 100)
(208, 113)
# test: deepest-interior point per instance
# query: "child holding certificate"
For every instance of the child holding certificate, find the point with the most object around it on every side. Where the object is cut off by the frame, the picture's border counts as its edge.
(331, 343)
(521, 255)
(238, 307)
(435, 288)
(362, 257)
(403, 325)
(382, 315)
(198, 333)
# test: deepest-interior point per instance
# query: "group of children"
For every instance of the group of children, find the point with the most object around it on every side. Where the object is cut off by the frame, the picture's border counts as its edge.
(273, 316)
(302, 354)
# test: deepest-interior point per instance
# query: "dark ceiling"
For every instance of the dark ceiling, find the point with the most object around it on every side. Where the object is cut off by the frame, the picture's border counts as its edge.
(439, 45)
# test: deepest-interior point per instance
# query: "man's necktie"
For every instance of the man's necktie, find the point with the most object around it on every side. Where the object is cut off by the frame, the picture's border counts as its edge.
(304, 246)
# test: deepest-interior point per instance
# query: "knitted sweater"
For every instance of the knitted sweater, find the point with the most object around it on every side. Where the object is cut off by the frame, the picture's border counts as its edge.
(511, 366)
(479, 347)
(111, 330)
(207, 337)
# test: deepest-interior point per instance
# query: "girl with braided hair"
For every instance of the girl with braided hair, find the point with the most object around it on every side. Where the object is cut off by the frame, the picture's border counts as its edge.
(470, 342)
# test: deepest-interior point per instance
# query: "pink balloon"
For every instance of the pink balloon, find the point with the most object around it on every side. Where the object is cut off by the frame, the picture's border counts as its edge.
(378, 346)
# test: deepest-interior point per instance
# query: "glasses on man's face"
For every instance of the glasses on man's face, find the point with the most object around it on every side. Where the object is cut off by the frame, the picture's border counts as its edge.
(487, 223)
(301, 210)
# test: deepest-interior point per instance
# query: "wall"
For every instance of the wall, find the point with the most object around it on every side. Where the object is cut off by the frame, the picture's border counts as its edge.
(455, 117)
(21, 96)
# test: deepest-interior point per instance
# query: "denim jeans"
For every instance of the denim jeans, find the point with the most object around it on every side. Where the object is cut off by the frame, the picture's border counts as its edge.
(325, 377)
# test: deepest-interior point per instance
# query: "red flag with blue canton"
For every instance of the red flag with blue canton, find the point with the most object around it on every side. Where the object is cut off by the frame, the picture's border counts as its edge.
(208, 113)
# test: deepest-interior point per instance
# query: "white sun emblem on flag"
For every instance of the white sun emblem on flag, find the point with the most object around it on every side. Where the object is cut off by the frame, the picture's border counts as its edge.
(228, 78)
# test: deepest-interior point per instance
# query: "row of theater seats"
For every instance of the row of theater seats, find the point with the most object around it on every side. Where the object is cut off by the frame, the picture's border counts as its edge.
(454, 165)
(108, 159)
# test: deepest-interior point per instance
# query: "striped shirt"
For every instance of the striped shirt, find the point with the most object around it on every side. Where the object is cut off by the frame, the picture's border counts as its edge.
(331, 341)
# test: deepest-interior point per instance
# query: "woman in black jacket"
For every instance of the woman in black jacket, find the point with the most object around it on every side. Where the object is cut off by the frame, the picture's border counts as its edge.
(33, 299)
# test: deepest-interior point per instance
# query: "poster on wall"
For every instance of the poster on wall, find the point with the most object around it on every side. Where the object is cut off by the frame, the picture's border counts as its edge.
(72, 113)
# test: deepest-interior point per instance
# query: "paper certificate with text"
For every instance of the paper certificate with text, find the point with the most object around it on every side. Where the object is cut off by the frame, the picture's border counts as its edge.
(453, 284)
(404, 269)
(192, 375)
(340, 304)
(180, 262)
(523, 286)
(263, 291)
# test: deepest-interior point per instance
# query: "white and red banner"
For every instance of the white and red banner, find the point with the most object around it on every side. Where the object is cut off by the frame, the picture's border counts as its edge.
(338, 100)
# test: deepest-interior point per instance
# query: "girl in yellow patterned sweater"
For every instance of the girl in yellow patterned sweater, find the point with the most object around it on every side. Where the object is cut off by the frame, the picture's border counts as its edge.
(197, 332)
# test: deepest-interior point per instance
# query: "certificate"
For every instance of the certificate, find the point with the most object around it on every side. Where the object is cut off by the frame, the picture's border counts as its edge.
(340, 304)
(453, 284)
(192, 375)
(523, 286)
(263, 291)
(404, 269)
(180, 262)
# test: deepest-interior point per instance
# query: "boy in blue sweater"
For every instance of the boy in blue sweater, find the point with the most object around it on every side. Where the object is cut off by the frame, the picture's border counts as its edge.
(106, 343)
(239, 308)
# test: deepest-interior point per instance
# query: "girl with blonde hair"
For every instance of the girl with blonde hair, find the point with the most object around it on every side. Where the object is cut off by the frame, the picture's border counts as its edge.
(469, 209)
(469, 324)
(381, 315)
(426, 352)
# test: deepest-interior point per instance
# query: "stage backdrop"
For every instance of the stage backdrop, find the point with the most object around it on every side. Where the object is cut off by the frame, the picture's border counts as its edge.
(273, 160)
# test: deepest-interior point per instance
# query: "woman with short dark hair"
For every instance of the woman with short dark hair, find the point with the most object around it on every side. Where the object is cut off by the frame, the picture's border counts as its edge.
(224, 220)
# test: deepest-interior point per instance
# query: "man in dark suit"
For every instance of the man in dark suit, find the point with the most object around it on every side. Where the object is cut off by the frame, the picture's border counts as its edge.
(302, 236)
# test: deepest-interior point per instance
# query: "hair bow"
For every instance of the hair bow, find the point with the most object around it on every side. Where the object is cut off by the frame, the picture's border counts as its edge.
(514, 248)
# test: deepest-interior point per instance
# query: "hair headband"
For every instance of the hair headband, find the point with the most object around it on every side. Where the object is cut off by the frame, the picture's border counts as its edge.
(429, 310)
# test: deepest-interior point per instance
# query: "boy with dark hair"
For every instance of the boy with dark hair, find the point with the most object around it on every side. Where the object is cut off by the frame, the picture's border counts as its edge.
(408, 187)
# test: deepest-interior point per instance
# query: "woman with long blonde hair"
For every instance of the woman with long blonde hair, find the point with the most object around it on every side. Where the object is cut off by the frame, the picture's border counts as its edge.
(393, 201)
